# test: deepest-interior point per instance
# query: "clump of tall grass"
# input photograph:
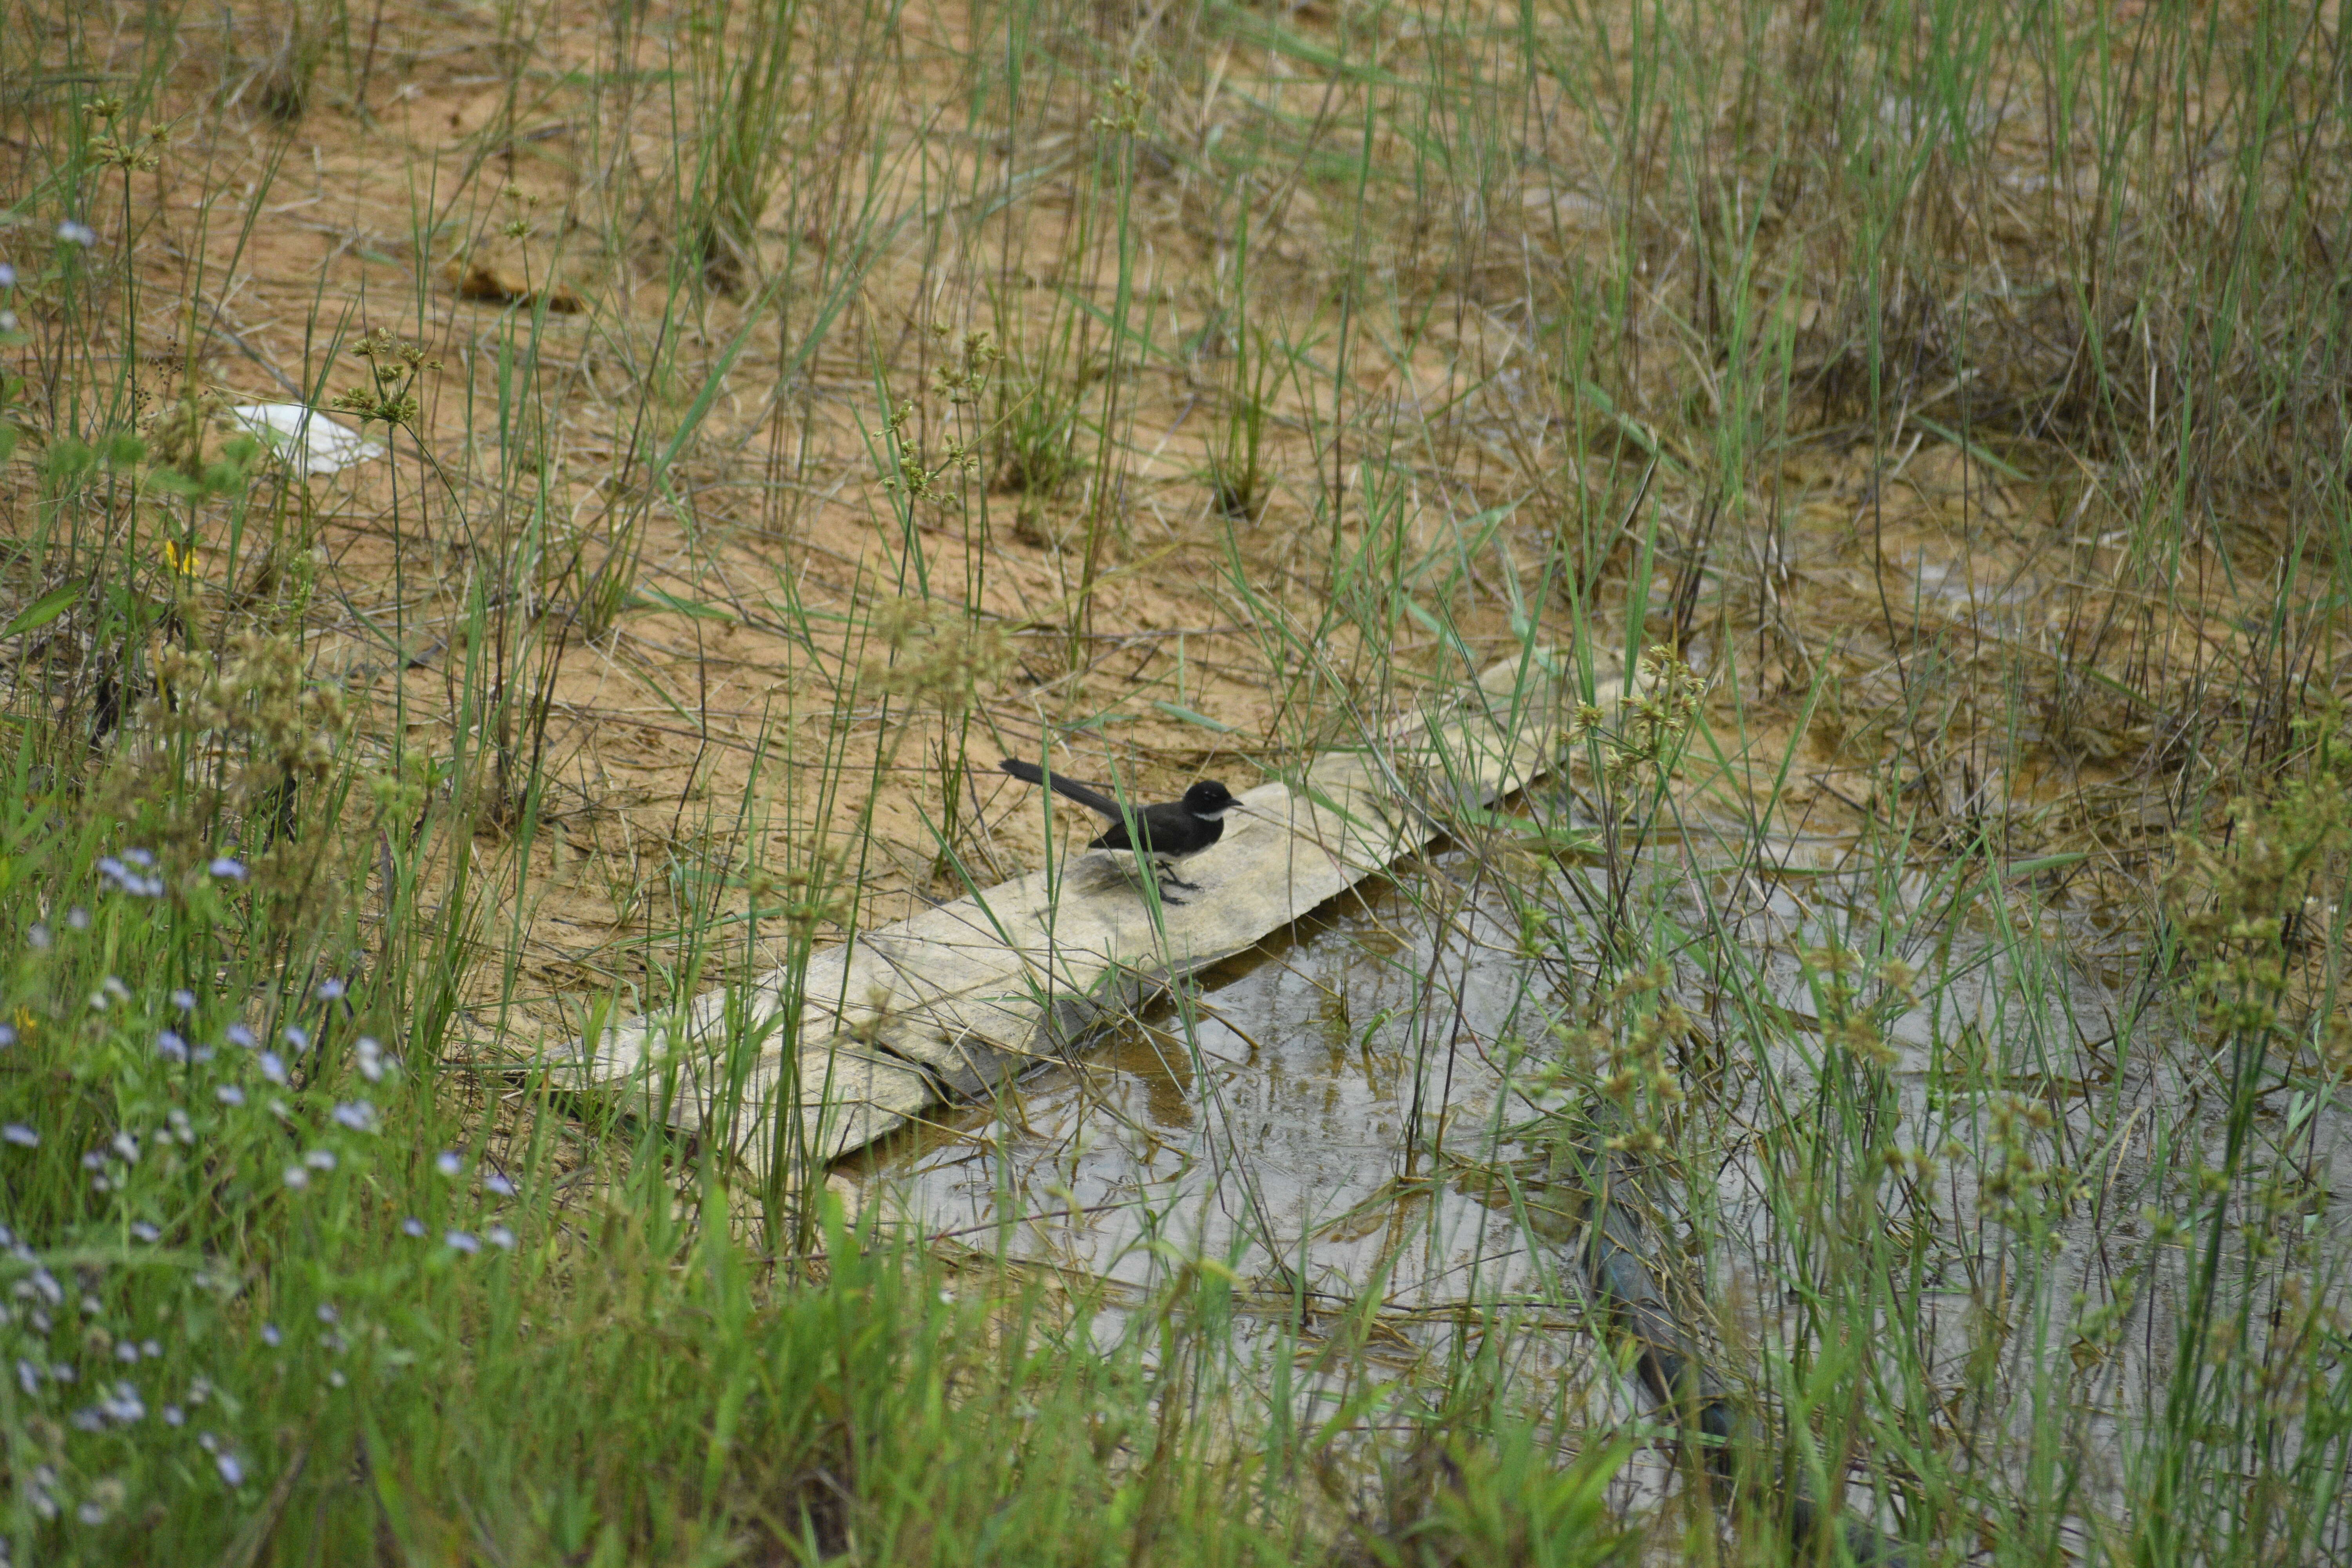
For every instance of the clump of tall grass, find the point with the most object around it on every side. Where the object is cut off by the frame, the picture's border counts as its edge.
(289, 74)
(745, 68)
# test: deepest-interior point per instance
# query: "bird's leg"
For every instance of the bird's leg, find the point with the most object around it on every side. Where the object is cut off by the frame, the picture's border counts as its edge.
(1168, 879)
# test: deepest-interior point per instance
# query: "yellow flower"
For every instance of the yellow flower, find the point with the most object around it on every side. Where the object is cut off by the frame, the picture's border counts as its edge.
(182, 559)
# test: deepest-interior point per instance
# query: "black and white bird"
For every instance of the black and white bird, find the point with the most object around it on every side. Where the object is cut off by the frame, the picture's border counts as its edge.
(1167, 833)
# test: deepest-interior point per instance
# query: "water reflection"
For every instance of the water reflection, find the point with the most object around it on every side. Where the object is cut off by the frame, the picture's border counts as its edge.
(1332, 1117)
(1315, 1116)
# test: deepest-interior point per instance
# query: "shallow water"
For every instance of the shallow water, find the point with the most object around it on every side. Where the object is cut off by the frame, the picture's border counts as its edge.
(1270, 1135)
(1264, 1122)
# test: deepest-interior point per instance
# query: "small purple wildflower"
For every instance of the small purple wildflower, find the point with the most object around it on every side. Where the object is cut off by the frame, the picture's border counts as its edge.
(498, 1184)
(171, 1048)
(229, 1094)
(411, 1226)
(238, 1034)
(330, 990)
(270, 1336)
(501, 1236)
(230, 1470)
(19, 1134)
(184, 1000)
(227, 869)
(129, 881)
(462, 1241)
(273, 1068)
(74, 233)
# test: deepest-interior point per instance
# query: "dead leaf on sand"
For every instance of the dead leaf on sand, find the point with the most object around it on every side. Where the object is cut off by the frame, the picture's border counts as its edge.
(492, 284)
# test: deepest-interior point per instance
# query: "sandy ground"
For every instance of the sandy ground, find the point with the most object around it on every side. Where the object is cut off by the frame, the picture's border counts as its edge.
(1868, 617)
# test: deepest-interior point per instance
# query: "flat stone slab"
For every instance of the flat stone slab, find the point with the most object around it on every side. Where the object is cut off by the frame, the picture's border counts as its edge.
(947, 1005)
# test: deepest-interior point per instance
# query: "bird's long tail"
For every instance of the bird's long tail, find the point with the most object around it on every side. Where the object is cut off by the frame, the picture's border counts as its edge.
(1069, 789)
